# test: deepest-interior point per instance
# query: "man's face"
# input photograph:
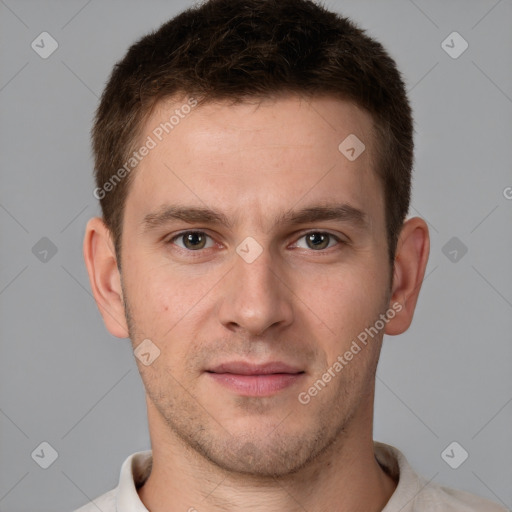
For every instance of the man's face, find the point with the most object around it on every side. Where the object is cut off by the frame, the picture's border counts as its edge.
(256, 279)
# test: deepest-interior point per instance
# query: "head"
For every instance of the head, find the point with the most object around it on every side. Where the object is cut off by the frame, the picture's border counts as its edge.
(253, 163)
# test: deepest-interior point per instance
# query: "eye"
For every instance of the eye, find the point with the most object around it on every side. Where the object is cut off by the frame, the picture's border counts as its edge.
(317, 240)
(192, 240)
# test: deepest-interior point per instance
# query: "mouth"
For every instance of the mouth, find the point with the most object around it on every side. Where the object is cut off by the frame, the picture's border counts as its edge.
(247, 379)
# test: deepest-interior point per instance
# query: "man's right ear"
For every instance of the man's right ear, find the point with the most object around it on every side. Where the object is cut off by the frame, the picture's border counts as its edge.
(101, 262)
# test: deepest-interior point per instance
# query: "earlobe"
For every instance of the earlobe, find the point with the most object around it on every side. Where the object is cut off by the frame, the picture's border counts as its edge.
(104, 277)
(410, 263)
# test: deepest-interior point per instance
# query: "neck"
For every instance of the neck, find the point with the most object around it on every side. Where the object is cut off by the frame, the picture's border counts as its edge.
(346, 477)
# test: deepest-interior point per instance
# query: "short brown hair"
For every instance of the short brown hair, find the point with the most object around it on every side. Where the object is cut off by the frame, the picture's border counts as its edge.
(239, 49)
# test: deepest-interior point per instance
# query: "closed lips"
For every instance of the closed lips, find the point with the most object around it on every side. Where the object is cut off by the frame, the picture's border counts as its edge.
(244, 368)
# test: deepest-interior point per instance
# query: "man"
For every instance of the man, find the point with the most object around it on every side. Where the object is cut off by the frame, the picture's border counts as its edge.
(253, 162)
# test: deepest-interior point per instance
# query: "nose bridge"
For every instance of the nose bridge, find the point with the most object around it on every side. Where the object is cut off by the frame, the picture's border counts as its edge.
(253, 266)
(255, 298)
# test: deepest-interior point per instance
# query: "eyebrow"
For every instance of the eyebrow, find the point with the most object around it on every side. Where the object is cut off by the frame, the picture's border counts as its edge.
(198, 215)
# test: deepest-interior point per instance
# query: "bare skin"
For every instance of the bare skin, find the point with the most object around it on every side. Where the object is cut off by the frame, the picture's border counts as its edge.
(318, 282)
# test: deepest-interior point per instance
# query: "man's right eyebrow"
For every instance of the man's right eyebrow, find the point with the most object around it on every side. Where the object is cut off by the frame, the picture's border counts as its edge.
(189, 214)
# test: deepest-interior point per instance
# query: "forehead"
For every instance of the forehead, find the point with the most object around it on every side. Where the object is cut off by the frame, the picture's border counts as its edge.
(259, 156)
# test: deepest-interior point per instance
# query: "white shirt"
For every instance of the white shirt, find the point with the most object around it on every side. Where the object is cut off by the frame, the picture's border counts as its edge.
(412, 494)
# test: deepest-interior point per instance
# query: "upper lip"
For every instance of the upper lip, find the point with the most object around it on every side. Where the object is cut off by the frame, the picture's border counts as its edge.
(245, 368)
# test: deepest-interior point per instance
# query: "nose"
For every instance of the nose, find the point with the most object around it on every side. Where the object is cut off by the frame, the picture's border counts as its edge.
(256, 296)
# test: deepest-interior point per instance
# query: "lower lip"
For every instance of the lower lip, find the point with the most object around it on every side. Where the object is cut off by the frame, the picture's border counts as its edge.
(256, 385)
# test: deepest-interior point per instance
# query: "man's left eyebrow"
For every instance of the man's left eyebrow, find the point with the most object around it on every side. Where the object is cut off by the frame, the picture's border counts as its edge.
(339, 212)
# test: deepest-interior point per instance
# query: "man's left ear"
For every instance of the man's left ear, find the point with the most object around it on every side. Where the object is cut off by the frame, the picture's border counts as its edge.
(411, 260)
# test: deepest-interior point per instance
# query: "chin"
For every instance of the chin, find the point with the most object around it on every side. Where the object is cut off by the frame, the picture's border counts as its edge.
(262, 455)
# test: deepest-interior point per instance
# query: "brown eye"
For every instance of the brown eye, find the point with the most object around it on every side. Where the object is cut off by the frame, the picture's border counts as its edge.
(192, 240)
(317, 240)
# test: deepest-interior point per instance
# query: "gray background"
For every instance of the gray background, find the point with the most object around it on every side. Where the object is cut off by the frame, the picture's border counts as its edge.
(66, 381)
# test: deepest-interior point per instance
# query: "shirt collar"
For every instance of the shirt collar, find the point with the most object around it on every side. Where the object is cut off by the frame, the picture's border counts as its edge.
(409, 485)
(134, 472)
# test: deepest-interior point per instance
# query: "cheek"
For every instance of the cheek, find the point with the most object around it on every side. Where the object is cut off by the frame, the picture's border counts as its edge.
(161, 302)
(152, 301)
(346, 304)
(164, 302)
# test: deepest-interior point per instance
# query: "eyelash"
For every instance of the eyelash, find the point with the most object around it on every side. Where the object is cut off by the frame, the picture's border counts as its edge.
(183, 233)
